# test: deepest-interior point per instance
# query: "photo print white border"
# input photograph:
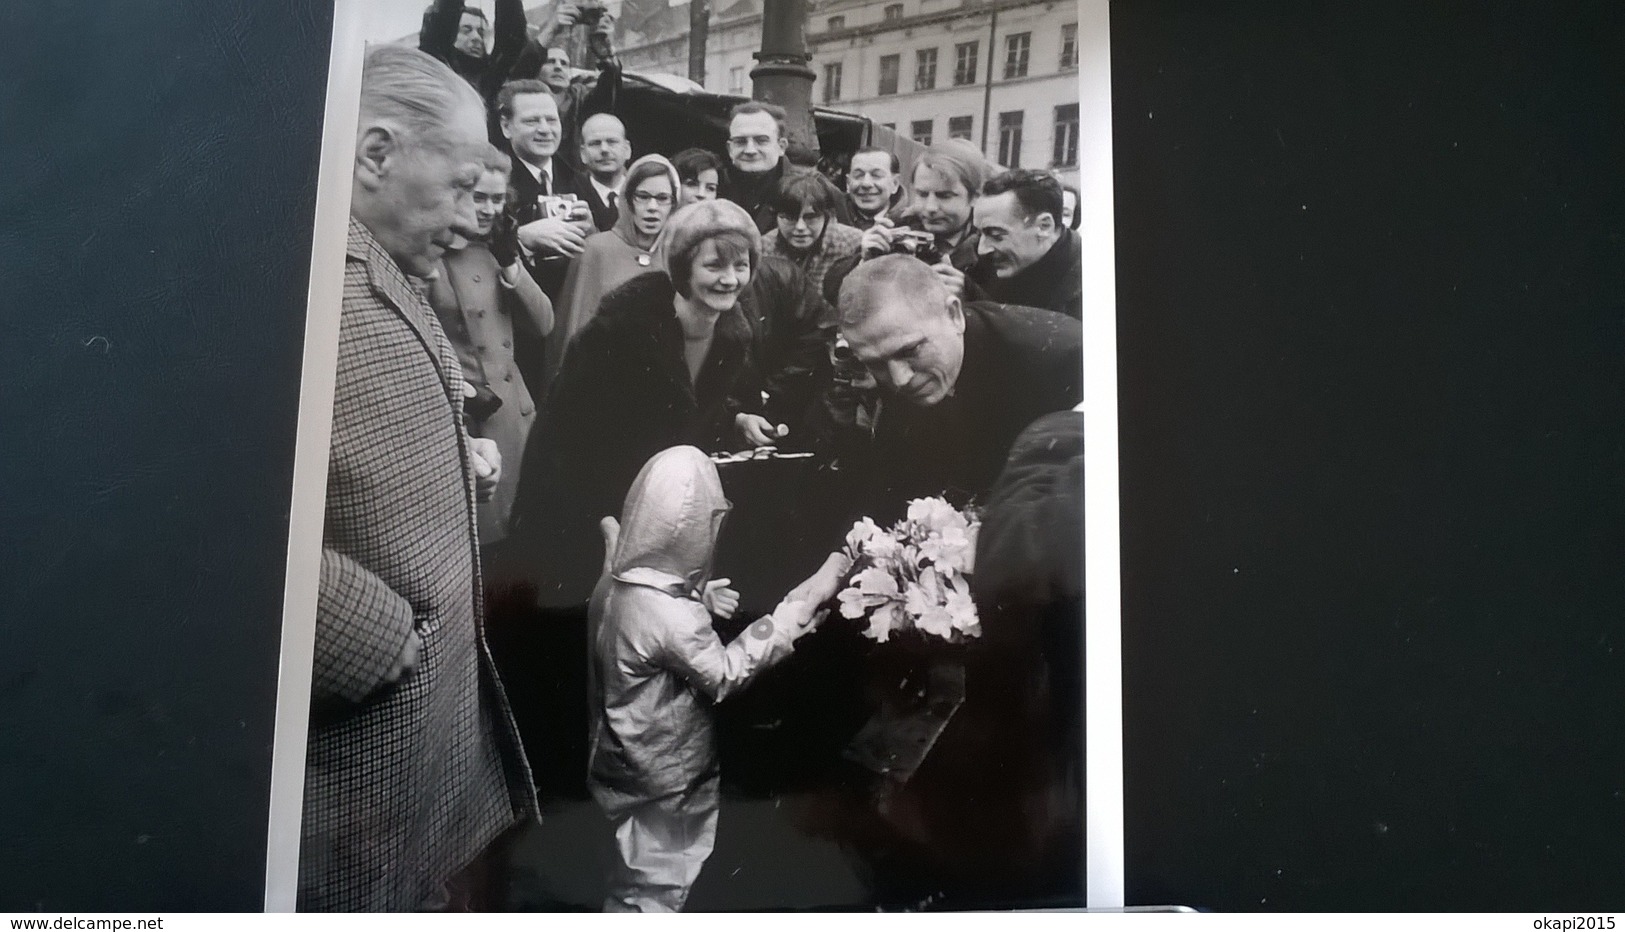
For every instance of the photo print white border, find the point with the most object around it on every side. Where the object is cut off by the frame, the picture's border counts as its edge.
(1103, 719)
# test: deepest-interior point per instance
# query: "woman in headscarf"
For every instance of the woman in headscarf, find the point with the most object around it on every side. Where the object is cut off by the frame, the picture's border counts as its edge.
(617, 255)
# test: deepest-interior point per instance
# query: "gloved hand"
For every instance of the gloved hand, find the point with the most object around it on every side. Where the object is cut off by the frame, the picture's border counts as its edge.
(504, 241)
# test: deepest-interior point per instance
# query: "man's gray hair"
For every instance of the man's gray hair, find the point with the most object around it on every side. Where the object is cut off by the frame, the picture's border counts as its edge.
(414, 92)
(884, 281)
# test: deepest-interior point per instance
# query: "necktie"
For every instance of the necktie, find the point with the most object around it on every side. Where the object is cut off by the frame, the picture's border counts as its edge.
(612, 200)
(546, 188)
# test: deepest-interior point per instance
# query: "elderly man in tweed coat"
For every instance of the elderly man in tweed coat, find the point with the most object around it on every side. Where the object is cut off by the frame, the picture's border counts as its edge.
(414, 765)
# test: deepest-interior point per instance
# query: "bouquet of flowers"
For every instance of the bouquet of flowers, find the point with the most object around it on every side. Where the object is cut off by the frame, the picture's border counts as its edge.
(912, 577)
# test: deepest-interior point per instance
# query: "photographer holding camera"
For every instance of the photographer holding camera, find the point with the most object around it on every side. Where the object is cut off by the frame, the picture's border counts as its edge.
(577, 98)
(936, 228)
(456, 34)
(552, 220)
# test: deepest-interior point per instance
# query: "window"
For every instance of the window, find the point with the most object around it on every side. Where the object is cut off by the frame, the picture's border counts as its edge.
(832, 82)
(960, 127)
(1069, 45)
(965, 63)
(1016, 48)
(837, 22)
(1066, 135)
(925, 69)
(893, 11)
(920, 131)
(1010, 139)
(736, 79)
(889, 66)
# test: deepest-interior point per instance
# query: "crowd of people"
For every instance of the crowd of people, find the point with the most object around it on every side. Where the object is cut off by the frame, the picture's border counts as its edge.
(541, 334)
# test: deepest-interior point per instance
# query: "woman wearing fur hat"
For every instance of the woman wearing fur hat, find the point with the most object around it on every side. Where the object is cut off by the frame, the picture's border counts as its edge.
(653, 368)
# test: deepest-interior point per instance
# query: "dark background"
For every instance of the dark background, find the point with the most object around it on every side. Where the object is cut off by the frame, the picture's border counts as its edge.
(157, 189)
(1369, 341)
(1372, 437)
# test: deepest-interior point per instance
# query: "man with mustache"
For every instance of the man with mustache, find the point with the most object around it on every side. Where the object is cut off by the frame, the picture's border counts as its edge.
(413, 766)
(1027, 255)
(604, 154)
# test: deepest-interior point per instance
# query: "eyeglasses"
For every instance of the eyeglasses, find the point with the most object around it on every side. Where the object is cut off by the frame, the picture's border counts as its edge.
(644, 197)
(739, 142)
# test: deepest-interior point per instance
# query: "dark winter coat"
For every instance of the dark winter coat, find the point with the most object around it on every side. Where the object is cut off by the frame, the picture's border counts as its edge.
(1019, 363)
(622, 395)
(1054, 282)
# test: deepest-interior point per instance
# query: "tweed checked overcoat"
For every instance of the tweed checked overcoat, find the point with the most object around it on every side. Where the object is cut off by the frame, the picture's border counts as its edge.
(404, 783)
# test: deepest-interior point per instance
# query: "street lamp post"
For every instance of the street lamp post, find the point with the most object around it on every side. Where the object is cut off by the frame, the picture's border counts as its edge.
(782, 75)
(699, 32)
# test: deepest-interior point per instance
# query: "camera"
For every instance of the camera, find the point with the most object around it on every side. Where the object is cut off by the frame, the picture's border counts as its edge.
(919, 244)
(484, 403)
(557, 206)
(591, 15)
(849, 372)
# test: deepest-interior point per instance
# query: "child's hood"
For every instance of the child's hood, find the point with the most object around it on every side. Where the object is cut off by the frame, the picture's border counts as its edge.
(671, 517)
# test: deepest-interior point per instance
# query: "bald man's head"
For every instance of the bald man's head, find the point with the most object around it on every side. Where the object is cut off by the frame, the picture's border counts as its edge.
(604, 149)
(904, 325)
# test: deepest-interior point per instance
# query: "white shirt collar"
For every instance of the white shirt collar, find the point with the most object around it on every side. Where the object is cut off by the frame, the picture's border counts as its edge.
(604, 190)
(536, 171)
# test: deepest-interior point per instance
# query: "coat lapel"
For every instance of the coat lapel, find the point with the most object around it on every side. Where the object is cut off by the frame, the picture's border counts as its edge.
(390, 285)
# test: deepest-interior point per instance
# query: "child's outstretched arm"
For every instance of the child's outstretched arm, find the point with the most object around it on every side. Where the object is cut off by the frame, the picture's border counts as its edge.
(695, 651)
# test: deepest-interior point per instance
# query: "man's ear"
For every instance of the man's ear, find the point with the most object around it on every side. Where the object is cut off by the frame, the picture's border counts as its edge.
(507, 127)
(376, 153)
(1045, 222)
(956, 314)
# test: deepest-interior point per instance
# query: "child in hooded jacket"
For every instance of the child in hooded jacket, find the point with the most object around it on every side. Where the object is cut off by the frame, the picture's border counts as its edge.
(657, 667)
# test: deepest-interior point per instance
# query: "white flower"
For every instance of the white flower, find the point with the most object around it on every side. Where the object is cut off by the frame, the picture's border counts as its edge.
(913, 573)
(868, 590)
(951, 550)
(884, 620)
(934, 514)
(961, 612)
(861, 534)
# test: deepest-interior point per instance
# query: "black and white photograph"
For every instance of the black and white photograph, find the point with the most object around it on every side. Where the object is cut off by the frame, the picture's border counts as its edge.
(702, 521)
(1012, 457)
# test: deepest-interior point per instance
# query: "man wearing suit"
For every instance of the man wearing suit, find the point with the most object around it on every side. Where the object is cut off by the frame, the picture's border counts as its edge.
(604, 153)
(530, 121)
(414, 766)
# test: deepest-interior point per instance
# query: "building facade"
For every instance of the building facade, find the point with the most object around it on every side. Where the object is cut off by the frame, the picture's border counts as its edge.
(1000, 73)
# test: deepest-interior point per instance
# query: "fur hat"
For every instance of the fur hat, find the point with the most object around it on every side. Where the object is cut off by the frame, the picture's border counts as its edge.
(700, 221)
